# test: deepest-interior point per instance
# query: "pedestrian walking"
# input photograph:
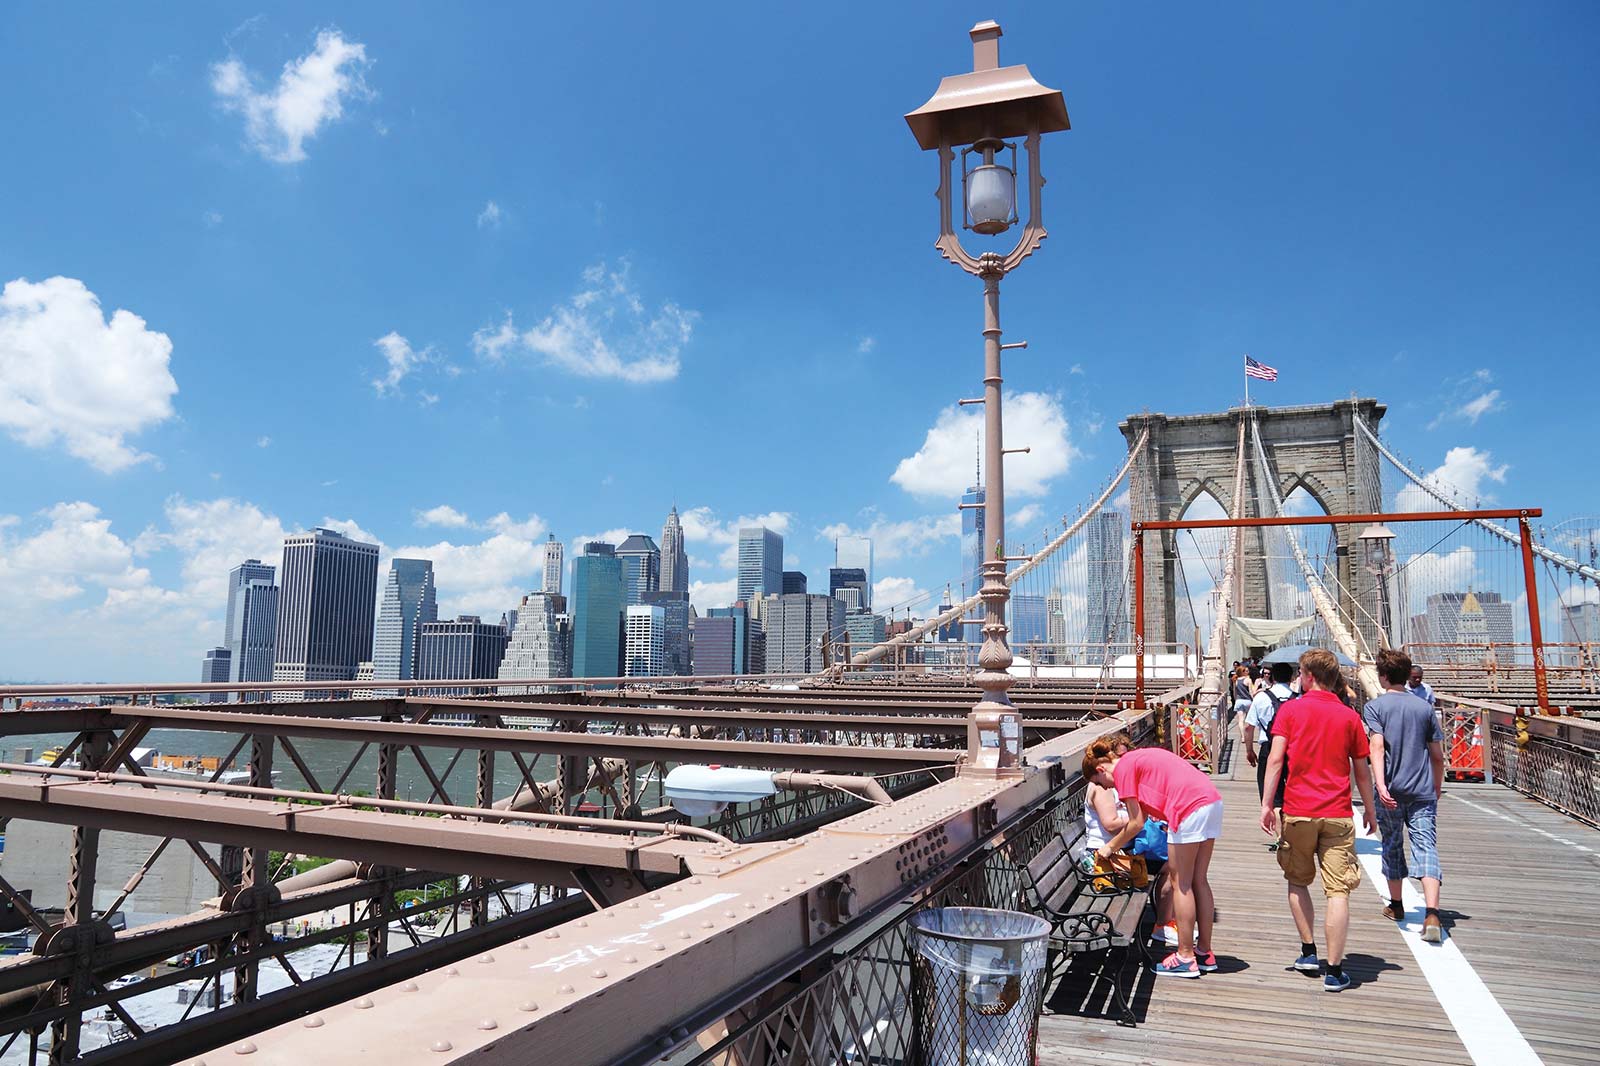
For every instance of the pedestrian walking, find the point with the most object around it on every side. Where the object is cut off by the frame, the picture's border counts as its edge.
(1258, 730)
(1326, 744)
(1420, 688)
(1408, 773)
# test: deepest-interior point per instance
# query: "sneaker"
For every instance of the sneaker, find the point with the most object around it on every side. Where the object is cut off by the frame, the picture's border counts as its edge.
(1432, 929)
(1308, 964)
(1207, 961)
(1393, 912)
(1172, 966)
(1335, 982)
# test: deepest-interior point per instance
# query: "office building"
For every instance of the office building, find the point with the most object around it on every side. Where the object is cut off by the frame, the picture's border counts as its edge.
(641, 568)
(951, 630)
(794, 583)
(1055, 624)
(855, 553)
(864, 630)
(760, 564)
(409, 601)
(597, 612)
(1107, 609)
(552, 566)
(537, 647)
(327, 600)
(644, 646)
(850, 585)
(716, 645)
(251, 625)
(675, 632)
(796, 627)
(1464, 621)
(468, 648)
(739, 653)
(363, 673)
(1580, 624)
(1029, 619)
(674, 555)
(972, 549)
(214, 671)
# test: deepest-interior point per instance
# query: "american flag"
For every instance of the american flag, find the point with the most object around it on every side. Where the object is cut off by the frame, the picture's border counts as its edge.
(1255, 369)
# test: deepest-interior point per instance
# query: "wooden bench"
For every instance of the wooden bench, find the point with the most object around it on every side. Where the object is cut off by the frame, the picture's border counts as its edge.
(1083, 921)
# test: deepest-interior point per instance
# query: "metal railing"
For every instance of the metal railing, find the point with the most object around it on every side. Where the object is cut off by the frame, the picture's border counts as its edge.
(1555, 760)
(1040, 659)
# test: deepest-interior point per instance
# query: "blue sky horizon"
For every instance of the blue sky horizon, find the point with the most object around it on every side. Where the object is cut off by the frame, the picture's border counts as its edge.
(455, 280)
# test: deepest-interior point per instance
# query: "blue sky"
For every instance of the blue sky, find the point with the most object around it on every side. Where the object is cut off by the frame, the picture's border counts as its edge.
(458, 277)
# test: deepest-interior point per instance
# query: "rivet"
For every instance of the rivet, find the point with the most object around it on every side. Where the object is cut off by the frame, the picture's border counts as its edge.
(583, 923)
(852, 855)
(245, 1048)
(451, 971)
(409, 986)
(485, 958)
(440, 1045)
(630, 958)
(313, 1022)
(522, 945)
(729, 914)
(633, 904)
(749, 905)
(817, 873)
(528, 1006)
(694, 880)
(598, 975)
(363, 1003)
(708, 925)
(655, 895)
(487, 1024)
(684, 935)
(552, 935)
(565, 990)
(658, 946)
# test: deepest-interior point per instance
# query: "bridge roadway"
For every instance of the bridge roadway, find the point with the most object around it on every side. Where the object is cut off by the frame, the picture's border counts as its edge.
(1519, 901)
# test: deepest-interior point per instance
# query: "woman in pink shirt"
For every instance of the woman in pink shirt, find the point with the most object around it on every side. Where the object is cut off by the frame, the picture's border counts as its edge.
(1156, 783)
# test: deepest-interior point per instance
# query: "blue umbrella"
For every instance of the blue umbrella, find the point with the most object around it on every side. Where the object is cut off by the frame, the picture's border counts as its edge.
(1292, 654)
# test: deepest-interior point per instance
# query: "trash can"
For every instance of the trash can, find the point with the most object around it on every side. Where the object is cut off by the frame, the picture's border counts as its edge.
(978, 985)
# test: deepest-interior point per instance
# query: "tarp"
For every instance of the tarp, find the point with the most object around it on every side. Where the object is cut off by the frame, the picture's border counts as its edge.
(1263, 632)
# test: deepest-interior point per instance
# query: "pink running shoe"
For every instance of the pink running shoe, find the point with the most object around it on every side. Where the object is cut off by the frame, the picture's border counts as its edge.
(1172, 966)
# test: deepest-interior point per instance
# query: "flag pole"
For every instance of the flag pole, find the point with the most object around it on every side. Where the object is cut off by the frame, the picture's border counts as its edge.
(1247, 384)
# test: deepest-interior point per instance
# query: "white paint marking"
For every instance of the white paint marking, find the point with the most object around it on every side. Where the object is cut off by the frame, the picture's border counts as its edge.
(1523, 825)
(1487, 1032)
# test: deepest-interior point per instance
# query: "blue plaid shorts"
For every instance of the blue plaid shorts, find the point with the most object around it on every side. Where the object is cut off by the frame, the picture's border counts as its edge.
(1417, 820)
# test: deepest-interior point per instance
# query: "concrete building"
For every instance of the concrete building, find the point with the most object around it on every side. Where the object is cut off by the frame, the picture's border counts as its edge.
(1109, 599)
(674, 555)
(794, 582)
(760, 564)
(855, 553)
(468, 648)
(1466, 619)
(796, 627)
(1055, 620)
(675, 632)
(717, 645)
(641, 568)
(950, 631)
(552, 566)
(214, 671)
(864, 629)
(739, 654)
(644, 647)
(251, 625)
(326, 603)
(597, 612)
(409, 601)
(844, 580)
(537, 647)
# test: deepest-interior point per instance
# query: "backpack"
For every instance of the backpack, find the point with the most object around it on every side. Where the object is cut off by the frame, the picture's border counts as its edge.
(1277, 704)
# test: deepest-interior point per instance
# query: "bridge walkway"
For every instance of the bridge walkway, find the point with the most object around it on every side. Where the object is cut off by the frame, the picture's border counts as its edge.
(1517, 982)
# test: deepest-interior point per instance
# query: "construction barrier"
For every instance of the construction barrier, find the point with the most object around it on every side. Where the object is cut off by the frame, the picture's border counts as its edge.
(1463, 744)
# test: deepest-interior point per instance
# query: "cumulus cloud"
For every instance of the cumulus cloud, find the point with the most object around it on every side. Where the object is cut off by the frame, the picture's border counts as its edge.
(484, 578)
(604, 331)
(400, 360)
(1431, 573)
(1465, 477)
(310, 93)
(899, 593)
(1468, 399)
(708, 594)
(701, 526)
(946, 463)
(74, 550)
(906, 539)
(442, 515)
(69, 377)
(489, 217)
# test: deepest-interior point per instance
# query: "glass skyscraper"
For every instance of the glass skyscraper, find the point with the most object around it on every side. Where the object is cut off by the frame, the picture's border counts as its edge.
(597, 612)
(739, 655)
(1030, 623)
(214, 670)
(641, 568)
(675, 630)
(408, 601)
(252, 622)
(468, 648)
(326, 605)
(1109, 603)
(760, 563)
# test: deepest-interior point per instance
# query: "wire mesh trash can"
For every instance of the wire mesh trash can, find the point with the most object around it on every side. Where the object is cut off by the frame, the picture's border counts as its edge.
(978, 985)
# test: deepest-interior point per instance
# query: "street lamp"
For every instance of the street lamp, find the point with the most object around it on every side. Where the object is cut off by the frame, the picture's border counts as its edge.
(1377, 544)
(984, 113)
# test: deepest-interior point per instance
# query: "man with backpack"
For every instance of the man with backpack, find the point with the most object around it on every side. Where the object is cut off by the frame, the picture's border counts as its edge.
(1258, 728)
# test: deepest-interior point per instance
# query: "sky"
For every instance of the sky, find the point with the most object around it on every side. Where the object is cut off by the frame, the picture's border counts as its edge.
(453, 279)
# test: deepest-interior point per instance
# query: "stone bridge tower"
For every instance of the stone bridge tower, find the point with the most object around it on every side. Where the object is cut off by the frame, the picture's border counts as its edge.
(1315, 447)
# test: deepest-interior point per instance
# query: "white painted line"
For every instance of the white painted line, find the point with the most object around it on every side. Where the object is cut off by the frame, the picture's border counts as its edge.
(1489, 1034)
(1523, 825)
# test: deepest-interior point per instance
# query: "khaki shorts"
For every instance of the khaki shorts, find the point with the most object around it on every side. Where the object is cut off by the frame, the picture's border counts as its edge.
(1328, 842)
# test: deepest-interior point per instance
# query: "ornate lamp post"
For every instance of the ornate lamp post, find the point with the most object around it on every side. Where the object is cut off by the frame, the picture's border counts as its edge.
(983, 113)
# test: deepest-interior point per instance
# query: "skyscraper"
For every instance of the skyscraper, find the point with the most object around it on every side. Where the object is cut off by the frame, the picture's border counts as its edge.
(864, 630)
(1029, 619)
(537, 647)
(1055, 623)
(674, 555)
(794, 581)
(213, 671)
(796, 627)
(251, 626)
(552, 566)
(675, 630)
(467, 647)
(716, 642)
(409, 600)
(325, 609)
(972, 537)
(1580, 624)
(1465, 621)
(846, 579)
(597, 612)
(760, 563)
(950, 631)
(641, 568)
(644, 648)
(855, 553)
(1107, 609)
(739, 656)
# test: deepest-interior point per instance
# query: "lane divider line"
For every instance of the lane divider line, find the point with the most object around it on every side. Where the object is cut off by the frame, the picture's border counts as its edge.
(1523, 825)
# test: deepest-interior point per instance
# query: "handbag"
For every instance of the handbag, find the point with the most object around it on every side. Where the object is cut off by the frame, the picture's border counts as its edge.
(1120, 873)
(1151, 841)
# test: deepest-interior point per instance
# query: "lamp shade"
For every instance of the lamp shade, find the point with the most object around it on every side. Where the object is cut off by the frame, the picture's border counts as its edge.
(991, 198)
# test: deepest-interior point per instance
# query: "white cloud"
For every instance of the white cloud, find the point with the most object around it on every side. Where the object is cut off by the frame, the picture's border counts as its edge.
(708, 594)
(866, 344)
(352, 529)
(529, 528)
(907, 539)
(485, 578)
(1468, 399)
(1024, 517)
(1465, 476)
(263, 442)
(489, 217)
(70, 377)
(901, 593)
(1435, 572)
(76, 550)
(1479, 406)
(401, 359)
(310, 93)
(701, 525)
(603, 331)
(946, 463)
(213, 536)
(212, 218)
(442, 515)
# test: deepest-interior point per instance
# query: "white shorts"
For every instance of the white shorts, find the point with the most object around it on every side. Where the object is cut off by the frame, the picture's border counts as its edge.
(1202, 824)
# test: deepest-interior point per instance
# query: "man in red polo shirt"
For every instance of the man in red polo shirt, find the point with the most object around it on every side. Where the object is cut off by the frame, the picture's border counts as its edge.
(1325, 744)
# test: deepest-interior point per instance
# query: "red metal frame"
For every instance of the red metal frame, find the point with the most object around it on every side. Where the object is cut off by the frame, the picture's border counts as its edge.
(1522, 515)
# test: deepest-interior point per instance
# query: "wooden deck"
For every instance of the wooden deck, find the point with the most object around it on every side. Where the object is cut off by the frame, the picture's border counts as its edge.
(1520, 901)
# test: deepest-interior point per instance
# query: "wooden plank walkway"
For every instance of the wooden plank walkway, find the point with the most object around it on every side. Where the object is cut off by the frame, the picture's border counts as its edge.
(1521, 887)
